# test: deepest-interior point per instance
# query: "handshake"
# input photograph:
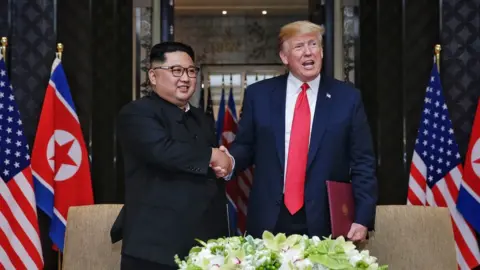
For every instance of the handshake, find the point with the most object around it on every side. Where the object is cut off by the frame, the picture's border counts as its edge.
(221, 162)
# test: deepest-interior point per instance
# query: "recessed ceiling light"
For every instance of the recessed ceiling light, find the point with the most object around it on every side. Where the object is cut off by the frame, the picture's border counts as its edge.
(264, 12)
(224, 12)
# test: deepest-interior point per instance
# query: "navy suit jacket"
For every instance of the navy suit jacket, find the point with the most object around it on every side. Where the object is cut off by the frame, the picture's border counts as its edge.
(340, 150)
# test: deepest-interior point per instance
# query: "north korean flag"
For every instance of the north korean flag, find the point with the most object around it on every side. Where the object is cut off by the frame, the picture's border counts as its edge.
(60, 162)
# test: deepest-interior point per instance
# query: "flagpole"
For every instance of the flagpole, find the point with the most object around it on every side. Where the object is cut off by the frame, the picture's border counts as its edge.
(59, 56)
(438, 48)
(59, 50)
(4, 48)
(228, 221)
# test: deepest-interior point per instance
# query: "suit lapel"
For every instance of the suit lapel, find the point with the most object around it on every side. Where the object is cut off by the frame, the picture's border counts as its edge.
(279, 95)
(321, 117)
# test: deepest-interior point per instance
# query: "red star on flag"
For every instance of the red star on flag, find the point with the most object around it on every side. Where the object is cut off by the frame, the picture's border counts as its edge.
(61, 155)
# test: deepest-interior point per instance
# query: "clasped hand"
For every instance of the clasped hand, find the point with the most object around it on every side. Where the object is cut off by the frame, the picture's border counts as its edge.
(221, 162)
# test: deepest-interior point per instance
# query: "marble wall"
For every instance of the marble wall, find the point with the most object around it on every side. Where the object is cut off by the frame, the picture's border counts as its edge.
(232, 39)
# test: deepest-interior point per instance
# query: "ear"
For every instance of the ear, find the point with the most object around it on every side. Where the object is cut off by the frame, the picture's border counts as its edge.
(284, 57)
(151, 76)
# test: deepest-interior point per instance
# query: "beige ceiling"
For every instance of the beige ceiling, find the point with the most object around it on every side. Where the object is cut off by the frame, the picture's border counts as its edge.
(253, 7)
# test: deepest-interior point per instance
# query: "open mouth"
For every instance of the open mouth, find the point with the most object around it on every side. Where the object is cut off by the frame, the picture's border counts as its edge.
(183, 88)
(308, 64)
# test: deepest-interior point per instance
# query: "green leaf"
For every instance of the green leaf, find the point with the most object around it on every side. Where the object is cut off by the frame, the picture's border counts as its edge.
(194, 267)
(331, 263)
(195, 250)
(267, 235)
(293, 239)
(201, 242)
(269, 240)
(280, 238)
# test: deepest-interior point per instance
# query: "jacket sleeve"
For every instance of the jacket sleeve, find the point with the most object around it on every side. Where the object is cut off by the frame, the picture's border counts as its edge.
(145, 136)
(362, 166)
(242, 148)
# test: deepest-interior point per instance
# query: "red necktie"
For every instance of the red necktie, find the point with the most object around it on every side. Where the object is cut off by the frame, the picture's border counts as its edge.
(298, 153)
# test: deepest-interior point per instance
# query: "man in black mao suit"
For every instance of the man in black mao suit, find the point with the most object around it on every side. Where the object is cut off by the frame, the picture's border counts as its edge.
(172, 196)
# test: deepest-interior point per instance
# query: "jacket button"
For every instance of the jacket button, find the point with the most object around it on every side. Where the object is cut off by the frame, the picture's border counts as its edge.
(279, 202)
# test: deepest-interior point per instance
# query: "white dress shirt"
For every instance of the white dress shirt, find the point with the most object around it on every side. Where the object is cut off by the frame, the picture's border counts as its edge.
(294, 87)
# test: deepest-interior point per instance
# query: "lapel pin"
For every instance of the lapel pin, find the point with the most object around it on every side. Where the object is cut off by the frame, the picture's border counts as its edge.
(328, 95)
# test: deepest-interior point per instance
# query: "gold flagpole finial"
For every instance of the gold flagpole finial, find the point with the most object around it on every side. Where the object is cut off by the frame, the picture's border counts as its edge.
(59, 50)
(438, 48)
(3, 49)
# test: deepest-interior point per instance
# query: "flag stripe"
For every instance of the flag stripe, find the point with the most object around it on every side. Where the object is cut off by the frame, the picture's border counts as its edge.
(64, 102)
(452, 186)
(23, 233)
(430, 198)
(245, 189)
(19, 211)
(466, 253)
(8, 257)
(420, 168)
(463, 235)
(417, 186)
(26, 188)
(471, 192)
(43, 195)
(469, 206)
(16, 189)
(441, 202)
(419, 180)
(42, 181)
(462, 264)
(416, 195)
(466, 230)
(16, 243)
(18, 234)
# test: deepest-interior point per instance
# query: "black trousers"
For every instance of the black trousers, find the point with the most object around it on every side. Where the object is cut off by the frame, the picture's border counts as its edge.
(291, 224)
(132, 263)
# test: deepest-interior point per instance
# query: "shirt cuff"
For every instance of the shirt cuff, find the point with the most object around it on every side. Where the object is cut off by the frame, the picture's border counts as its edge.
(229, 176)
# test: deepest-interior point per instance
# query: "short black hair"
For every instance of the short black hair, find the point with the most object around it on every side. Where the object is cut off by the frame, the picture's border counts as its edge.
(157, 53)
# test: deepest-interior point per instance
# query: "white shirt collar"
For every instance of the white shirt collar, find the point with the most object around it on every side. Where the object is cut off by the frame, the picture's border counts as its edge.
(297, 84)
(187, 107)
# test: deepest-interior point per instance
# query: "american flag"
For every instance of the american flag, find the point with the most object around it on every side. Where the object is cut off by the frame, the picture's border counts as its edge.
(20, 246)
(238, 188)
(436, 170)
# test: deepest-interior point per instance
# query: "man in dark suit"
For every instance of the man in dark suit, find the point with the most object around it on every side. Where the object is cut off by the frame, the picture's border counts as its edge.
(299, 130)
(172, 196)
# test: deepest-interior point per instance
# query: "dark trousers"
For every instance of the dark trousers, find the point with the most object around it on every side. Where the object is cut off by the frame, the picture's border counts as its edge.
(291, 224)
(132, 263)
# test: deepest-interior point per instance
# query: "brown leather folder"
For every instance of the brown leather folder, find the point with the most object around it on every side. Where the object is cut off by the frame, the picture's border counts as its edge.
(341, 206)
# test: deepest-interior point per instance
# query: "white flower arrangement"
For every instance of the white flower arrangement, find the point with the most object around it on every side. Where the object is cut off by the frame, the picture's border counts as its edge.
(278, 252)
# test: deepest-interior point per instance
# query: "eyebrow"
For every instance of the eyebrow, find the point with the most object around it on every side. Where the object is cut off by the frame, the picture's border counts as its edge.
(303, 42)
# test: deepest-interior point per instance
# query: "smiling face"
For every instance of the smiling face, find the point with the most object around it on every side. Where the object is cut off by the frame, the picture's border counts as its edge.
(303, 55)
(174, 79)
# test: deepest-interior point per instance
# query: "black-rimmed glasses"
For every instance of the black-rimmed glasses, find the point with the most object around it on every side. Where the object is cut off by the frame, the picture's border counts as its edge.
(178, 71)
